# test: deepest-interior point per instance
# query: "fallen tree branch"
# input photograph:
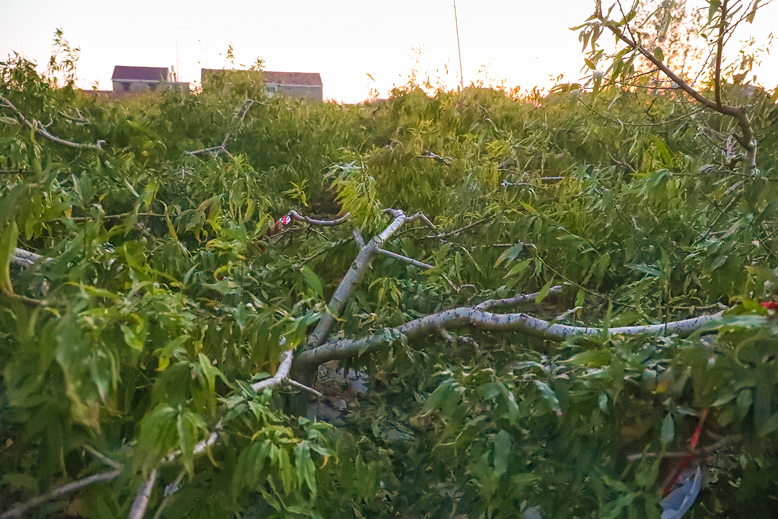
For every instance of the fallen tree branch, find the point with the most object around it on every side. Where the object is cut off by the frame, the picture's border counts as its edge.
(471, 317)
(20, 509)
(37, 127)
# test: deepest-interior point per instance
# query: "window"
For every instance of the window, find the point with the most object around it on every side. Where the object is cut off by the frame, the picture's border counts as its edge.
(152, 86)
(126, 87)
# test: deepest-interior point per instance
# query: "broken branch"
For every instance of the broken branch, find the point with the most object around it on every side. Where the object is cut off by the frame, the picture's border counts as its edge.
(37, 127)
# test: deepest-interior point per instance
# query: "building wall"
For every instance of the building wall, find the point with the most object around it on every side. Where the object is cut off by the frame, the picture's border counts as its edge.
(141, 86)
(313, 93)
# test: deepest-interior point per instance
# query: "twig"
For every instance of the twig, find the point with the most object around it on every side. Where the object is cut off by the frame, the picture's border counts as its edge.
(22, 299)
(20, 509)
(37, 127)
(456, 340)
(79, 120)
(437, 158)
(518, 298)
(297, 216)
(169, 491)
(116, 216)
(406, 259)
(102, 457)
(294, 383)
(221, 148)
(138, 509)
(696, 453)
(644, 125)
(505, 183)
(457, 231)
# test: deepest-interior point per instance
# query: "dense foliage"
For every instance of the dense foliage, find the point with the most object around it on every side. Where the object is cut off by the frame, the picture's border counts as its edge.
(164, 297)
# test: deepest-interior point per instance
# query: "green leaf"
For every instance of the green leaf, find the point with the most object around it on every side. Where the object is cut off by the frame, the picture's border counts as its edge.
(592, 358)
(645, 269)
(7, 248)
(549, 396)
(518, 269)
(286, 470)
(149, 192)
(313, 281)
(306, 471)
(713, 7)
(667, 433)
(769, 426)
(659, 54)
(718, 262)
(544, 291)
(502, 451)
(580, 298)
(752, 14)
(20, 481)
(509, 255)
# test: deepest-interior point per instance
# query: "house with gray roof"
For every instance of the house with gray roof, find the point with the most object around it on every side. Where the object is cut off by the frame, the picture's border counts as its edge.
(145, 79)
(307, 85)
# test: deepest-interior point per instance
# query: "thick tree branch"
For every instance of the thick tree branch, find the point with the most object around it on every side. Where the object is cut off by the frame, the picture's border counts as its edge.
(37, 127)
(20, 509)
(354, 276)
(281, 374)
(471, 317)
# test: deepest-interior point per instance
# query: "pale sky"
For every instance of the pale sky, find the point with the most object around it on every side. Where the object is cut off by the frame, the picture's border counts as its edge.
(521, 42)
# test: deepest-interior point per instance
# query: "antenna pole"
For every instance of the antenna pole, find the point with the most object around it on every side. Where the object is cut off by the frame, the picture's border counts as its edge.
(459, 50)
